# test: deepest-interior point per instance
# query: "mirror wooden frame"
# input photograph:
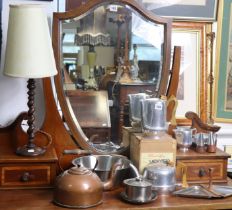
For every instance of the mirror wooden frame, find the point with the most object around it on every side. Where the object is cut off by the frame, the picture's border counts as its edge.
(75, 129)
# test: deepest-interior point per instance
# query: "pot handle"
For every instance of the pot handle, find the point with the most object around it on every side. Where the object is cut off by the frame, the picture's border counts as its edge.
(173, 99)
(76, 152)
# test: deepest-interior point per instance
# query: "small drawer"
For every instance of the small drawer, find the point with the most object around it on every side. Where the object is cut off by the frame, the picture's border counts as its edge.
(30, 175)
(198, 170)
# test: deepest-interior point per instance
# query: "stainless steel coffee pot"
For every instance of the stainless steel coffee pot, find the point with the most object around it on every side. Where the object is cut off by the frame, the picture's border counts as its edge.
(154, 113)
(135, 108)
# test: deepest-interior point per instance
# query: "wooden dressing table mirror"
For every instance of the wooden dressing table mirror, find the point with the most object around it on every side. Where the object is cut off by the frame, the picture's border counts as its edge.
(63, 125)
(66, 132)
(101, 41)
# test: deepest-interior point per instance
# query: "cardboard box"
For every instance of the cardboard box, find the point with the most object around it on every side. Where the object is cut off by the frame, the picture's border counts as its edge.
(126, 135)
(144, 150)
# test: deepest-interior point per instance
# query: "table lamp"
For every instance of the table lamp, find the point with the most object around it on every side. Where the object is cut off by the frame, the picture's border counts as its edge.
(29, 54)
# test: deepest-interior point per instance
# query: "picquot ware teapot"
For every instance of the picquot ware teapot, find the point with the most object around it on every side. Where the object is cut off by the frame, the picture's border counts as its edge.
(154, 113)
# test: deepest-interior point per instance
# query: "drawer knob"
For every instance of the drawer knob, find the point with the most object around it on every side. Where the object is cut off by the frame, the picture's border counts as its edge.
(202, 172)
(25, 177)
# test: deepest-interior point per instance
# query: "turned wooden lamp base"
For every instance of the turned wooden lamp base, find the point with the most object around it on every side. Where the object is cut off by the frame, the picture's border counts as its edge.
(28, 151)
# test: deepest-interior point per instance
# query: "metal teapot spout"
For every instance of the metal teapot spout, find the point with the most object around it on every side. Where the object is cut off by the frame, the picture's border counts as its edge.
(109, 184)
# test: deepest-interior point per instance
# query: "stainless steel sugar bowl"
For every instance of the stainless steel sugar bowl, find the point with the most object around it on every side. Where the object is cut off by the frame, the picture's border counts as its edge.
(162, 175)
(138, 189)
(184, 137)
(135, 108)
(154, 114)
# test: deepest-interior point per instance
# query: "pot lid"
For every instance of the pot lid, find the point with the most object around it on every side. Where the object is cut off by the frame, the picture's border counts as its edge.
(137, 182)
(79, 170)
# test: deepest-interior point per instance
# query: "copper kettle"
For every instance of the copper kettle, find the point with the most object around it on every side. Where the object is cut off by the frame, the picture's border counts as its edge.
(79, 187)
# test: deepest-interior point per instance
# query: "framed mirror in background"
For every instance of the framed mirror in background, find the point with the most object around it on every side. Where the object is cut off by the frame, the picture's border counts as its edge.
(193, 85)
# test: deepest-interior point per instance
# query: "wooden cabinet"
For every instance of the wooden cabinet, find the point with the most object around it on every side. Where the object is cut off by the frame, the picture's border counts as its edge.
(198, 165)
(27, 172)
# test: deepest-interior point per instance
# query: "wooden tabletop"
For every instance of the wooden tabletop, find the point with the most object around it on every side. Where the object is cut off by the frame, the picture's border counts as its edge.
(41, 199)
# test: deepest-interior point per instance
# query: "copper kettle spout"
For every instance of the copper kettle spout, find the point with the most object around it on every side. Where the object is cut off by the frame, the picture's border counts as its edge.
(109, 184)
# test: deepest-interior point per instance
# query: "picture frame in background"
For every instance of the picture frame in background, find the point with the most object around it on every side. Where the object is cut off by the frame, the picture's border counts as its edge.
(193, 86)
(191, 10)
(223, 67)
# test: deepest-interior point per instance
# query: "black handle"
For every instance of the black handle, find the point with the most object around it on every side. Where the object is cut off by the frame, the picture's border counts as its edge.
(77, 152)
(202, 172)
(25, 177)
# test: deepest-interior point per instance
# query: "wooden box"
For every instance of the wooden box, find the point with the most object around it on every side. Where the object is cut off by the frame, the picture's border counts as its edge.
(126, 135)
(144, 150)
(198, 164)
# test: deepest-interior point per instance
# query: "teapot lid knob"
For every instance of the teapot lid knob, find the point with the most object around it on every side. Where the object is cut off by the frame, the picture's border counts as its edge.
(79, 170)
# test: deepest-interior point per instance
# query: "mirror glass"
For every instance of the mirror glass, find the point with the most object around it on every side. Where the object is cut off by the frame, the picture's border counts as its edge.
(108, 44)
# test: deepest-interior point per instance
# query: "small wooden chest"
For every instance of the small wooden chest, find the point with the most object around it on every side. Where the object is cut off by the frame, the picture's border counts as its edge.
(198, 164)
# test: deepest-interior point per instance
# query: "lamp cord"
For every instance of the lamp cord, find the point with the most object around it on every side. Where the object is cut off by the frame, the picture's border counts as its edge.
(48, 136)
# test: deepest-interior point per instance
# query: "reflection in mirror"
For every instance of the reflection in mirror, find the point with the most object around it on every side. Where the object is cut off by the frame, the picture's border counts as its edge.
(107, 45)
(107, 37)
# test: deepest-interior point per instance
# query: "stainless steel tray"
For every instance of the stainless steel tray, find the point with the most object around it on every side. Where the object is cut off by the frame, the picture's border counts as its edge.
(225, 191)
(201, 191)
(194, 191)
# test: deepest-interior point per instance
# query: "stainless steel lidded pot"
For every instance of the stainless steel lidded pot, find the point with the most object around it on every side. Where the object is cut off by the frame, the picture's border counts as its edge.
(138, 189)
(162, 175)
(154, 113)
(135, 108)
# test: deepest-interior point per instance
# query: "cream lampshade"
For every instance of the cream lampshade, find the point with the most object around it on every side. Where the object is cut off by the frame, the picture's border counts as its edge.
(29, 54)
